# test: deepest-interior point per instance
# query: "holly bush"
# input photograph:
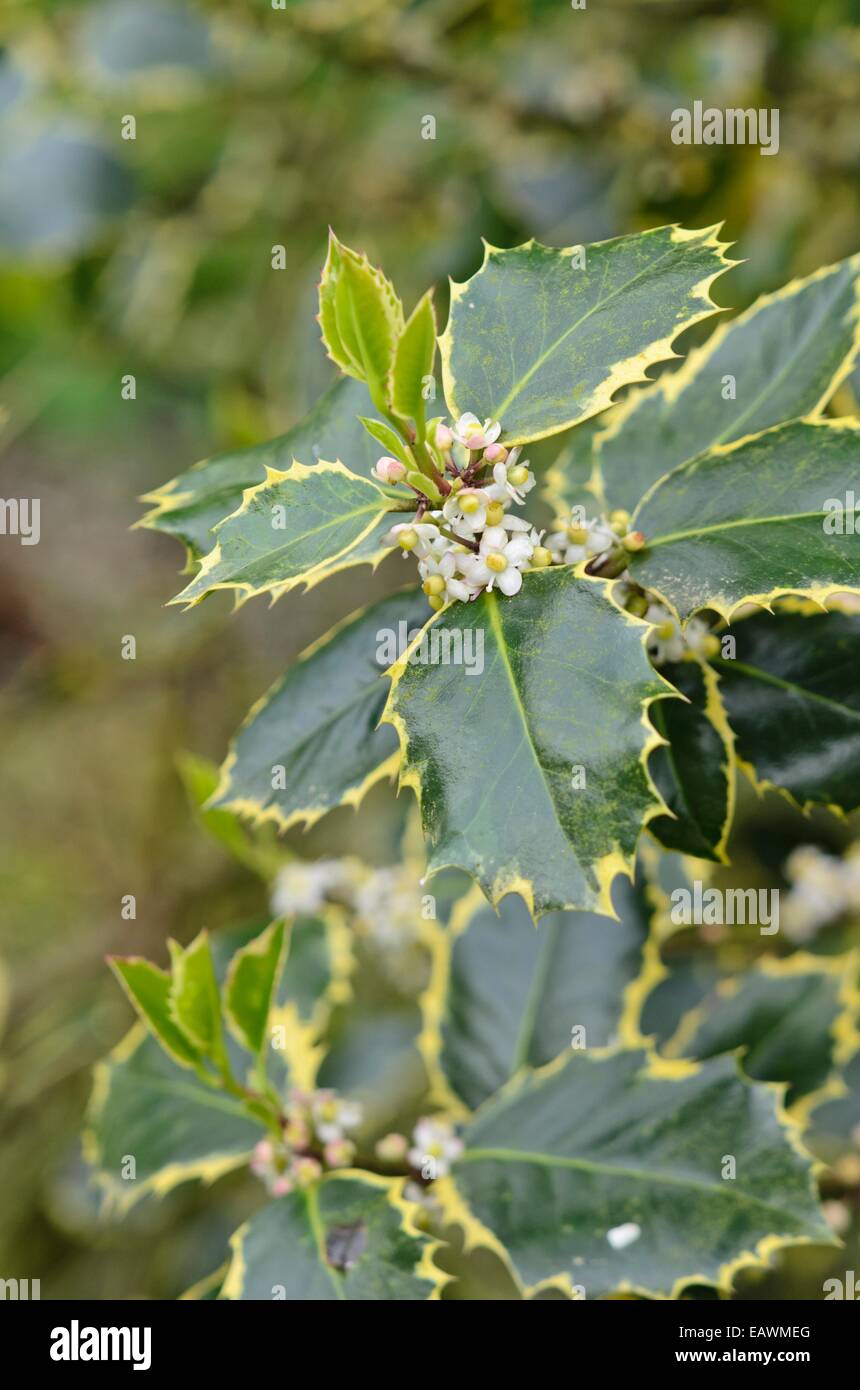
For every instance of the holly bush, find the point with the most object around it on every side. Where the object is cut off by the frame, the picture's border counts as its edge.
(560, 1095)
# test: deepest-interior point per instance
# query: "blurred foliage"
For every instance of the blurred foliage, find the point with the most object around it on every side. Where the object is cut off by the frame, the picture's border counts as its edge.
(255, 128)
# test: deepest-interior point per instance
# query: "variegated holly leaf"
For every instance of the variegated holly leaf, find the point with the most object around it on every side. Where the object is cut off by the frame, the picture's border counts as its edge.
(602, 1173)
(570, 480)
(152, 1125)
(528, 752)
(746, 522)
(350, 1238)
(190, 506)
(541, 338)
(297, 527)
(694, 769)
(506, 994)
(413, 362)
(789, 1020)
(781, 359)
(792, 697)
(313, 743)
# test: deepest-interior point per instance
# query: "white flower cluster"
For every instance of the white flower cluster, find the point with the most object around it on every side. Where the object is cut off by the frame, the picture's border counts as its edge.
(316, 1120)
(433, 1149)
(300, 889)
(823, 889)
(472, 541)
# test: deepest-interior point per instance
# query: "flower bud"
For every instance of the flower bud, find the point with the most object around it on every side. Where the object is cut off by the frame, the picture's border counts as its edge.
(433, 585)
(444, 437)
(541, 557)
(634, 540)
(389, 470)
(392, 1149)
(619, 520)
(495, 514)
(305, 1171)
(281, 1185)
(339, 1153)
(637, 604)
(495, 453)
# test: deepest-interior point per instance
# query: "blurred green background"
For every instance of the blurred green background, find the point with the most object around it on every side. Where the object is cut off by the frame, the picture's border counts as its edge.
(255, 128)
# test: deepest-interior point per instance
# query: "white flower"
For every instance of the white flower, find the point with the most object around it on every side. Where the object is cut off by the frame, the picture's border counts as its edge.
(823, 889)
(508, 483)
(301, 889)
(697, 636)
(500, 560)
(666, 641)
(435, 1146)
(333, 1116)
(469, 431)
(620, 1237)
(422, 537)
(442, 563)
(388, 904)
(564, 551)
(466, 511)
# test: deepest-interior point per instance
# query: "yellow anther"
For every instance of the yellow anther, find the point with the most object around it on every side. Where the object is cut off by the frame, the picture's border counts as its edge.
(518, 475)
(577, 535)
(470, 503)
(408, 539)
(496, 561)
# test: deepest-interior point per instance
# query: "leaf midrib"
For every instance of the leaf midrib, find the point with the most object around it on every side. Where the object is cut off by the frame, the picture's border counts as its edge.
(737, 524)
(377, 508)
(517, 390)
(611, 1170)
(766, 678)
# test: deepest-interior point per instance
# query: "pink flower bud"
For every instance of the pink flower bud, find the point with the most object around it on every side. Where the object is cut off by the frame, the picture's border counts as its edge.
(281, 1186)
(339, 1153)
(392, 1149)
(389, 470)
(444, 437)
(495, 453)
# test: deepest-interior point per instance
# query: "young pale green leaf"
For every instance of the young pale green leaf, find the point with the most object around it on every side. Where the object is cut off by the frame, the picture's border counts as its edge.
(258, 852)
(792, 697)
(746, 522)
(528, 753)
(782, 1017)
(694, 770)
(390, 440)
(541, 338)
(313, 743)
(361, 319)
(149, 990)
(251, 986)
(298, 527)
(173, 1126)
(781, 359)
(608, 1173)
(506, 994)
(190, 506)
(350, 1238)
(413, 361)
(195, 1003)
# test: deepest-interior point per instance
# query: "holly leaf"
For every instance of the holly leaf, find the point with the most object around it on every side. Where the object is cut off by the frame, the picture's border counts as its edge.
(313, 743)
(149, 990)
(507, 995)
(413, 361)
(361, 319)
(350, 1238)
(694, 770)
(297, 527)
(251, 986)
(791, 696)
(745, 522)
(190, 506)
(194, 1000)
(570, 480)
(606, 1173)
(785, 1017)
(541, 338)
(781, 359)
(529, 758)
(151, 1125)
